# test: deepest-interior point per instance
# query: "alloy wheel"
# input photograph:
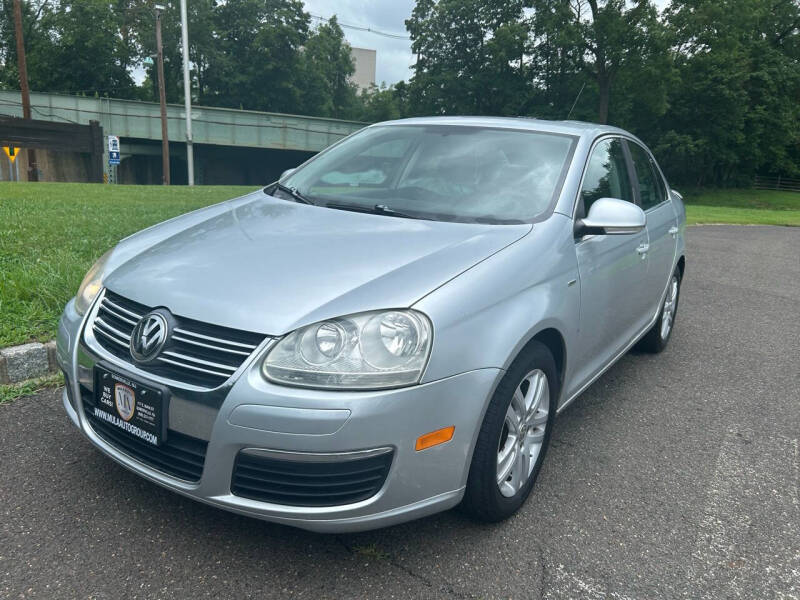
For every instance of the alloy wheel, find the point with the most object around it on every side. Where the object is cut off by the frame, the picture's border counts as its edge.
(523, 433)
(670, 304)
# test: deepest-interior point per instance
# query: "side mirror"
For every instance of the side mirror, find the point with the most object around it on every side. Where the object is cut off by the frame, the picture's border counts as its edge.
(611, 216)
(285, 174)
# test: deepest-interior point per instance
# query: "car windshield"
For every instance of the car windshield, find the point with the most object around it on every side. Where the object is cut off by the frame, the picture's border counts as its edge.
(440, 172)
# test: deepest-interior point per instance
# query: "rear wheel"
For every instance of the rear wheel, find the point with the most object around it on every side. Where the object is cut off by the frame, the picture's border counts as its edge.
(514, 437)
(656, 339)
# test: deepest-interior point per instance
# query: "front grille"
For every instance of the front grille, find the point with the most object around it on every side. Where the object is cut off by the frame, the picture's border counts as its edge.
(300, 483)
(180, 455)
(197, 353)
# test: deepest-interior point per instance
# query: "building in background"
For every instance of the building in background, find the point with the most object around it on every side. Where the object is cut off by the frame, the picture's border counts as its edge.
(364, 75)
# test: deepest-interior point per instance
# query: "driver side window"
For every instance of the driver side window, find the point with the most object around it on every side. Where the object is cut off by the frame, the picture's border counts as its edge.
(606, 175)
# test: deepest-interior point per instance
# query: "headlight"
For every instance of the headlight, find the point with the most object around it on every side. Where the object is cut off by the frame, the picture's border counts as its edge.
(91, 285)
(372, 350)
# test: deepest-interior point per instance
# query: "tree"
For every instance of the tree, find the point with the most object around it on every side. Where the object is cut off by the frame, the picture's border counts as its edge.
(735, 111)
(69, 48)
(327, 66)
(257, 56)
(37, 42)
(555, 53)
(615, 35)
(469, 56)
(86, 54)
(599, 38)
(711, 85)
(254, 54)
(383, 103)
(203, 46)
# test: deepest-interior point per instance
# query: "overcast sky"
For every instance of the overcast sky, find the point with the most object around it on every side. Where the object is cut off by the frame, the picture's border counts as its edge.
(394, 57)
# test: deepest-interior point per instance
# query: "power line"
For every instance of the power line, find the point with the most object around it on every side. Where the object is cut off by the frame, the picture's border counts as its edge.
(394, 36)
(35, 108)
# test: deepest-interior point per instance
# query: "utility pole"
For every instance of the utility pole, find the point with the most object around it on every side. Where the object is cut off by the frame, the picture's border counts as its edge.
(22, 65)
(162, 96)
(187, 93)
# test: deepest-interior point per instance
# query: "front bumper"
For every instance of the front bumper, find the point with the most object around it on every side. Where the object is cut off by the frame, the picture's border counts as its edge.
(302, 423)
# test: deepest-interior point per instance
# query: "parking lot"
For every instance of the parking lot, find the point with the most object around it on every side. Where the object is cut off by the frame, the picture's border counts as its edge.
(673, 476)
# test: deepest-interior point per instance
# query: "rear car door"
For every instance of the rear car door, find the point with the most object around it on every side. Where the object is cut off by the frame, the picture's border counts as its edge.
(612, 268)
(662, 223)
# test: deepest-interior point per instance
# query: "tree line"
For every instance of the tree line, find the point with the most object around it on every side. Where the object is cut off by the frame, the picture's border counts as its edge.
(251, 54)
(713, 86)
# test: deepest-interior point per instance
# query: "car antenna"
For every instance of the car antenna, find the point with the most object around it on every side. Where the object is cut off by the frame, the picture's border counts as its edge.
(576, 100)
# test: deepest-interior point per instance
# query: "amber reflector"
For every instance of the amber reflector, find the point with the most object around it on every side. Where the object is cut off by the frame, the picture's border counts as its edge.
(434, 438)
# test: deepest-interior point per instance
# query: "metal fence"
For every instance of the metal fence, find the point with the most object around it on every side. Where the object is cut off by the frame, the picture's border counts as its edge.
(786, 184)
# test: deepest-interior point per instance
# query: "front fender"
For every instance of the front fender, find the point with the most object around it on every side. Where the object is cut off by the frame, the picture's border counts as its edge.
(484, 317)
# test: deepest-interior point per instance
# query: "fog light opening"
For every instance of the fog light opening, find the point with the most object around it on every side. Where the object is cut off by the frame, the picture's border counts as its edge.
(434, 438)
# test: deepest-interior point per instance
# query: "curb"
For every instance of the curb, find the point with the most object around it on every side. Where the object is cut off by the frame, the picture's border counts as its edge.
(28, 361)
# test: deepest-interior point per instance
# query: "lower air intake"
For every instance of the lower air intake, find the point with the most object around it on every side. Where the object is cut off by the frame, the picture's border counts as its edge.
(304, 483)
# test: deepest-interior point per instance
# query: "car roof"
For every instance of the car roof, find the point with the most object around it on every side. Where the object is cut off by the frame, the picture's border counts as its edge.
(576, 128)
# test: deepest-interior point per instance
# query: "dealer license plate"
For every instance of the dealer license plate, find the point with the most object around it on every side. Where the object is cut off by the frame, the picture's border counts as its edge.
(131, 406)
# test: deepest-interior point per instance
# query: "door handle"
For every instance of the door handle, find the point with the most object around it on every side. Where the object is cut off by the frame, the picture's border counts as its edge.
(642, 249)
(673, 231)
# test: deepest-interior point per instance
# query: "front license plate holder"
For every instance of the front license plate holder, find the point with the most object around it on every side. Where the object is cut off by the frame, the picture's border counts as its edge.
(135, 408)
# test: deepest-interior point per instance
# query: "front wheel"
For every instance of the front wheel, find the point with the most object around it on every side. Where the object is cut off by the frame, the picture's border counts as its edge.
(656, 339)
(514, 437)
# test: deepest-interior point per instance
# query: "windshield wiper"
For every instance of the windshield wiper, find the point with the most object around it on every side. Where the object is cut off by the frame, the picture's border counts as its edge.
(299, 197)
(378, 209)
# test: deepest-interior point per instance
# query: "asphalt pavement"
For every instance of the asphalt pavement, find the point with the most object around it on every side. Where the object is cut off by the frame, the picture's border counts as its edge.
(673, 476)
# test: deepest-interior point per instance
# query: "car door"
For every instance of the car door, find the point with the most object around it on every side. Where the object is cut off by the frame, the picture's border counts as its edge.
(612, 268)
(662, 223)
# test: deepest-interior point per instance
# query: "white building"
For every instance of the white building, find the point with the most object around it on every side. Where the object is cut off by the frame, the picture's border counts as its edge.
(364, 75)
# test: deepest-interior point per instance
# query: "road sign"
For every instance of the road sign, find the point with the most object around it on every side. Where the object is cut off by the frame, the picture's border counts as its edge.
(113, 150)
(11, 152)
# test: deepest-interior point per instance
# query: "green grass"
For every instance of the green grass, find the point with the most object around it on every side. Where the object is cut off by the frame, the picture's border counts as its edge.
(51, 233)
(11, 392)
(698, 215)
(743, 207)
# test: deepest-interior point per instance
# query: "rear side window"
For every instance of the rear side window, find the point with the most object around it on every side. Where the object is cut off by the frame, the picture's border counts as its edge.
(606, 175)
(651, 186)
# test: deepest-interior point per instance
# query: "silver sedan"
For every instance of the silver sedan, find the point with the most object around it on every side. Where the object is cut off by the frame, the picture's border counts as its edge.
(388, 331)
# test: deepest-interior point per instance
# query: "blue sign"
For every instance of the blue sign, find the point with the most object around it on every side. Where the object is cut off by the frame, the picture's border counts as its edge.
(113, 158)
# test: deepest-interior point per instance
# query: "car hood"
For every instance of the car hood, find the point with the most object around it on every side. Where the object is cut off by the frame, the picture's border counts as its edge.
(268, 265)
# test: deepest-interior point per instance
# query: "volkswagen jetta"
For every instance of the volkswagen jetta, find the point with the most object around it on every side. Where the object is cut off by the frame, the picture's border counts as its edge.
(386, 332)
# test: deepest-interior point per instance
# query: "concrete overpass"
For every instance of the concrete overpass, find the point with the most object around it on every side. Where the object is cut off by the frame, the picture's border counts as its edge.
(231, 146)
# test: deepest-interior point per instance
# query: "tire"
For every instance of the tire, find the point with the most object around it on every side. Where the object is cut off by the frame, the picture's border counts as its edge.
(486, 499)
(654, 341)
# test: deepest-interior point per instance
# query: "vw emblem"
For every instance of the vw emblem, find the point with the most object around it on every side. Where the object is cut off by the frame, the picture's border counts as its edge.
(149, 337)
